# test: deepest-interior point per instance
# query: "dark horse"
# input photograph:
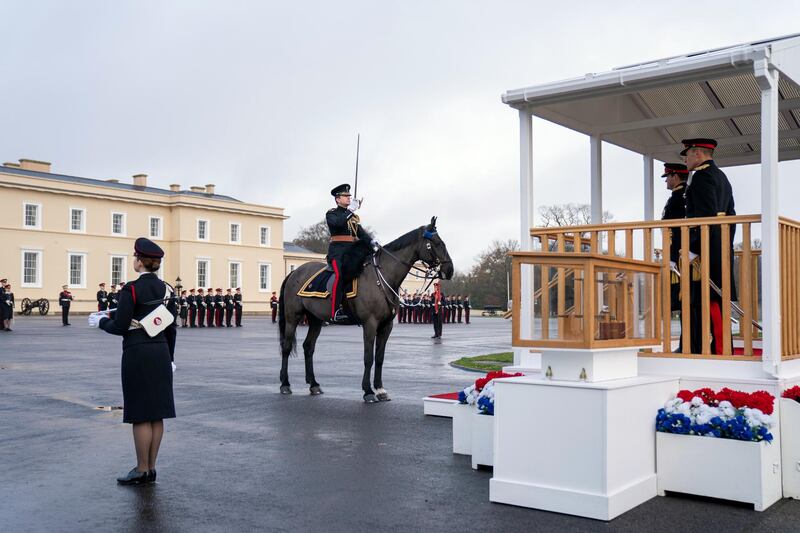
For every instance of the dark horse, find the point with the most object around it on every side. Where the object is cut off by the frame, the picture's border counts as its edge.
(374, 306)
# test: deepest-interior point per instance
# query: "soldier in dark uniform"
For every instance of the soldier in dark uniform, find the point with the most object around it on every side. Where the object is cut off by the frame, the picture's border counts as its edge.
(459, 307)
(349, 246)
(102, 298)
(438, 310)
(7, 298)
(147, 361)
(210, 307)
(183, 303)
(237, 307)
(708, 194)
(64, 300)
(466, 309)
(201, 308)
(112, 297)
(675, 208)
(190, 301)
(219, 308)
(273, 304)
(227, 300)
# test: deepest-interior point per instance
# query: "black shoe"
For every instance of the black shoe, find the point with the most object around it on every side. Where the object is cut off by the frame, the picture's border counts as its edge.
(134, 477)
(151, 476)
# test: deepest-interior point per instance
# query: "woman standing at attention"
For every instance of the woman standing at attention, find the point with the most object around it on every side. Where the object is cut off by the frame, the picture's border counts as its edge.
(145, 318)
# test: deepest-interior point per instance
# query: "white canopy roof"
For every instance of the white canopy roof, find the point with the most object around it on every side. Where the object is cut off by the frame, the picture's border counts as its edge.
(649, 107)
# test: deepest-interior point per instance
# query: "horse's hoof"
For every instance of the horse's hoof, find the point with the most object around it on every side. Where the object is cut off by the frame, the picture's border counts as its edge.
(383, 397)
(286, 389)
(316, 390)
(370, 398)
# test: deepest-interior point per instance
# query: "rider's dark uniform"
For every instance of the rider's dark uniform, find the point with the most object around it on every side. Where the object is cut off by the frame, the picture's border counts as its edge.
(675, 208)
(348, 248)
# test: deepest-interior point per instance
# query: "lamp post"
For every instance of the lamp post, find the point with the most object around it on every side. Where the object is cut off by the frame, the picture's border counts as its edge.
(178, 285)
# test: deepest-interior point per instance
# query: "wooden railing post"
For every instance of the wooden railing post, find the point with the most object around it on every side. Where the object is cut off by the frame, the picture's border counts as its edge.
(705, 290)
(746, 299)
(666, 310)
(686, 276)
(725, 237)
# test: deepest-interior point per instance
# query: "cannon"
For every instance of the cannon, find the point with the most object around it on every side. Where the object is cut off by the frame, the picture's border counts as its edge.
(27, 305)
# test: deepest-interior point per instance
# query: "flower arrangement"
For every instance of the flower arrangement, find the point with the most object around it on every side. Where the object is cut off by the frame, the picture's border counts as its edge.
(481, 393)
(792, 393)
(726, 414)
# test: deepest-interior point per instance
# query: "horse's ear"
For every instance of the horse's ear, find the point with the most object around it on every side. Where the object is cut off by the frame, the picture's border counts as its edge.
(433, 222)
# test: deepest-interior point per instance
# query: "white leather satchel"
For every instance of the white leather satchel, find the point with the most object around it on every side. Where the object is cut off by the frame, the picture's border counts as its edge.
(158, 319)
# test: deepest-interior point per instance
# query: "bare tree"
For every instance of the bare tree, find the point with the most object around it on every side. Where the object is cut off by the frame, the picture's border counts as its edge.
(568, 215)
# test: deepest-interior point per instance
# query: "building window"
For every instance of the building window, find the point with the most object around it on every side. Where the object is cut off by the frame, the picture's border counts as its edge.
(77, 270)
(264, 277)
(202, 232)
(203, 272)
(32, 268)
(235, 233)
(32, 216)
(118, 224)
(156, 228)
(264, 235)
(234, 275)
(77, 220)
(118, 267)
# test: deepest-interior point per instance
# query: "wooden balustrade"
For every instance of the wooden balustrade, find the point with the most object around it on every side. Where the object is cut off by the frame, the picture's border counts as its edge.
(789, 231)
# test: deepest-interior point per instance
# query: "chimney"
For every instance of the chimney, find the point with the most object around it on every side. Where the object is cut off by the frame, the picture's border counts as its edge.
(195, 188)
(209, 188)
(175, 187)
(140, 180)
(113, 181)
(38, 166)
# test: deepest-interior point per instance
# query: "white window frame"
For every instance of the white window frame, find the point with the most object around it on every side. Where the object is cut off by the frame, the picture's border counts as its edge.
(208, 229)
(207, 281)
(269, 277)
(39, 215)
(269, 236)
(231, 224)
(239, 275)
(124, 232)
(160, 227)
(39, 266)
(111, 268)
(84, 268)
(83, 219)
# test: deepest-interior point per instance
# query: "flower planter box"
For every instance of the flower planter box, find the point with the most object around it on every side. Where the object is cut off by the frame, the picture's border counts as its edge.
(439, 405)
(790, 447)
(482, 440)
(729, 469)
(462, 428)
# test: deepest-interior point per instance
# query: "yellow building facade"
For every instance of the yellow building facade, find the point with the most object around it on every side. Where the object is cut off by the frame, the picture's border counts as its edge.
(66, 230)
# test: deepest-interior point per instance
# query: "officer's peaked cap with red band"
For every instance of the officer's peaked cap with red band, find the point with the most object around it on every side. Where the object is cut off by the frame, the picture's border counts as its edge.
(711, 144)
(674, 168)
(146, 248)
(344, 188)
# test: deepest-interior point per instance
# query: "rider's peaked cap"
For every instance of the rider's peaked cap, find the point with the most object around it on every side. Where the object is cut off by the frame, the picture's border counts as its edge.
(674, 168)
(344, 188)
(711, 144)
(147, 248)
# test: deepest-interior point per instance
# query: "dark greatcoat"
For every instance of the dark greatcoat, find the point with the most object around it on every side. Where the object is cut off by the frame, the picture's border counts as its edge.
(349, 256)
(675, 208)
(146, 361)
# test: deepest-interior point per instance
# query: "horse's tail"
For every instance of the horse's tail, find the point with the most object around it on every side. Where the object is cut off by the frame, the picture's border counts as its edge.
(286, 344)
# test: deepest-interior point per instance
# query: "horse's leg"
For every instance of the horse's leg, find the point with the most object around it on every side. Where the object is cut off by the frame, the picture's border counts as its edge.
(380, 348)
(287, 345)
(314, 327)
(369, 350)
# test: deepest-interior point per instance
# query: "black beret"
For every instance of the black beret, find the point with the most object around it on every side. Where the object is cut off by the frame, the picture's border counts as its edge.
(146, 248)
(344, 188)
(711, 144)
(674, 168)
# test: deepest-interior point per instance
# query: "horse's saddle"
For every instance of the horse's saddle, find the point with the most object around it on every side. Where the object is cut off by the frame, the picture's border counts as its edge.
(319, 285)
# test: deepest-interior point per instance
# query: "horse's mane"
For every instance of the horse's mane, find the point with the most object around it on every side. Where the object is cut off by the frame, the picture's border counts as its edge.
(404, 240)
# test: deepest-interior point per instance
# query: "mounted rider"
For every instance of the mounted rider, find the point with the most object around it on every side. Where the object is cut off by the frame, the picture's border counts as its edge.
(349, 246)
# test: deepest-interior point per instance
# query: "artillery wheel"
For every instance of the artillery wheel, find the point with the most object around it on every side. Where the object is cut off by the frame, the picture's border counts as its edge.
(44, 306)
(25, 306)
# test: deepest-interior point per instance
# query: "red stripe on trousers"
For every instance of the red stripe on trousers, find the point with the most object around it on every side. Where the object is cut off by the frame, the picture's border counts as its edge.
(335, 285)
(716, 326)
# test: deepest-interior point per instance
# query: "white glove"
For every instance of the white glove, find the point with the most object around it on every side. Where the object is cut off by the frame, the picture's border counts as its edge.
(354, 205)
(673, 265)
(174, 367)
(693, 256)
(375, 245)
(94, 319)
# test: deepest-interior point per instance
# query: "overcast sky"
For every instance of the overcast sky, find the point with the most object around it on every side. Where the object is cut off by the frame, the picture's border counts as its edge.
(264, 99)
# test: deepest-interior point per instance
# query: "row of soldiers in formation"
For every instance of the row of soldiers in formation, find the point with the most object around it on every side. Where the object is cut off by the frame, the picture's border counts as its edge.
(419, 309)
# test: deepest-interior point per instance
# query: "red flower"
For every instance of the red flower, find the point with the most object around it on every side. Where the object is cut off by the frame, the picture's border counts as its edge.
(761, 400)
(708, 396)
(685, 395)
(480, 383)
(793, 393)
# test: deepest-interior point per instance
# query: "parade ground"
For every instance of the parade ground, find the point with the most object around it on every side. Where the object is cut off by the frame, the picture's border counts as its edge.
(241, 457)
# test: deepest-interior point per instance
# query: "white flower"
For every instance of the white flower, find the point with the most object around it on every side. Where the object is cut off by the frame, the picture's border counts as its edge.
(684, 408)
(725, 404)
(697, 401)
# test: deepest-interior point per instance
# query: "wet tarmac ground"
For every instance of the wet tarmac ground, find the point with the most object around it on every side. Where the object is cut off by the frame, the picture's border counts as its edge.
(241, 457)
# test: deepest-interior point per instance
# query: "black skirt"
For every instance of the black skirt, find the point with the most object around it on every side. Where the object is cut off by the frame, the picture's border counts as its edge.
(147, 383)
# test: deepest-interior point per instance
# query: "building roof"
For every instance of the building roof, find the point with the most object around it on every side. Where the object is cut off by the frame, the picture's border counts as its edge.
(111, 184)
(292, 248)
(649, 107)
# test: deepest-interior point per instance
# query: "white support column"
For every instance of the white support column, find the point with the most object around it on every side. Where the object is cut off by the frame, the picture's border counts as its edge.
(526, 222)
(596, 162)
(648, 187)
(770, 253)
